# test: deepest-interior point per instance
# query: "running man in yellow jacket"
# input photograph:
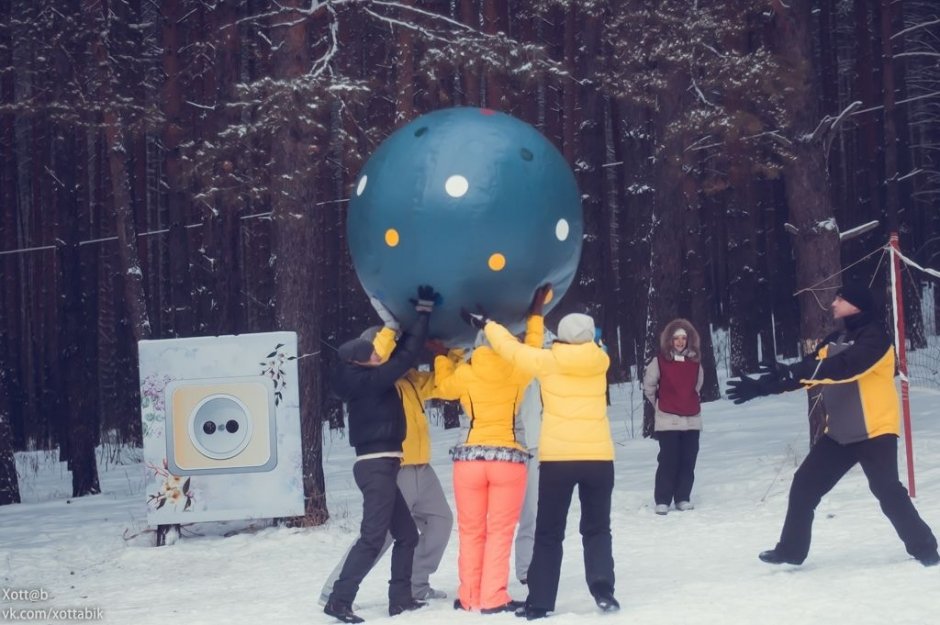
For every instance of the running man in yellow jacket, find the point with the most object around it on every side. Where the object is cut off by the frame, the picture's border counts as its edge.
(489, 466)
(575, 449)
(855, 369)
(417, 481)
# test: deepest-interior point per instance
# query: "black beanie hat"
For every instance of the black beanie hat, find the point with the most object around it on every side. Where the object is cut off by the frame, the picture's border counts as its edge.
(858, 294)
(356, 350)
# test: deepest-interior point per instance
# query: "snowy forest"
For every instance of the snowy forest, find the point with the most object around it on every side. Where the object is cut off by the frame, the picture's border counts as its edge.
(181, 168)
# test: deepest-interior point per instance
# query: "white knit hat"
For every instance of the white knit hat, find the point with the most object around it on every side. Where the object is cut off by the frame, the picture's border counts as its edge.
(576, 328)
(680, 332)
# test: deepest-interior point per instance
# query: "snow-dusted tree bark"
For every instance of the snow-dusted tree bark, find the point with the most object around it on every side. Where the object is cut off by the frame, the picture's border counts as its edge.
(9, 485)
(9, 296)
(102, 76)
(78, 343)
(295, 242)
(181, 313)
(805, 169)
(496, 20)
(470, 77)
(741, 215)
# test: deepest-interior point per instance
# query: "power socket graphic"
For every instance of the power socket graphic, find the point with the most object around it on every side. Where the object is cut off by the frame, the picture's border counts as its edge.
(222, 425)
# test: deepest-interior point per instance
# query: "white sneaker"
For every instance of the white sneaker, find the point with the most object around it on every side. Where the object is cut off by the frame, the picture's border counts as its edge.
(662, 509)
(685, 505)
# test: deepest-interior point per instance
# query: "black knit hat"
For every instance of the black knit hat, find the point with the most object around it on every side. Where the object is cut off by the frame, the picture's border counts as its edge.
(356, 350)
(858, 294)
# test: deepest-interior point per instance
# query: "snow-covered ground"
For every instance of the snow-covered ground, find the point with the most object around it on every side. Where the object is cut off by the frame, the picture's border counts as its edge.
(692, 567)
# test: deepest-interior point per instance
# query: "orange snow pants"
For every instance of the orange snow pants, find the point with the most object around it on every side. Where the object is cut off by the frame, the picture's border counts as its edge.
(489, 497)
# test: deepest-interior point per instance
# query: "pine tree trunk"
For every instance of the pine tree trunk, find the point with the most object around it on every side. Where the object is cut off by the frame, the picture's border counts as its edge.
(695, 244)
(496, 20)
(78, 342)
(869, 169)
(11, 274)
(181, 312)
(816, 246)
(295, 242)
(9, 484)
(405, 75)
(103, 76)
(470, 78)
(741, 218)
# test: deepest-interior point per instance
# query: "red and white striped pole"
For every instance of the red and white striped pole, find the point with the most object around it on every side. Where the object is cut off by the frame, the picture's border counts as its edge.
(897, 306)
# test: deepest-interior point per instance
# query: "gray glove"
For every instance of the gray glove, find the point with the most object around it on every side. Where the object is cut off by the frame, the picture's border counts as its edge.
(388, 319)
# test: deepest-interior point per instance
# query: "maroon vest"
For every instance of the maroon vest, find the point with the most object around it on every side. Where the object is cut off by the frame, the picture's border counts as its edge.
(677, 380)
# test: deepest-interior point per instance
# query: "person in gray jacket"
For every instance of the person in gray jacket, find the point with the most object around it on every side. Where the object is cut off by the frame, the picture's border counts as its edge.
(671, 383)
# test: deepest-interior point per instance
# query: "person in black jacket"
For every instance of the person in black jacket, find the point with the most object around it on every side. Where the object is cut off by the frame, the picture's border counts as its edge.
(855, 369)
(376, 430)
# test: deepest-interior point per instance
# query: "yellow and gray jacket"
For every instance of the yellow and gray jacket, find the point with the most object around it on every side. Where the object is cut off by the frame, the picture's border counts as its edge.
(855, 369)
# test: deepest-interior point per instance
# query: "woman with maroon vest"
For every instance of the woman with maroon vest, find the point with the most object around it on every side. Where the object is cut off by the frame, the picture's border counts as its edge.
(671, 383)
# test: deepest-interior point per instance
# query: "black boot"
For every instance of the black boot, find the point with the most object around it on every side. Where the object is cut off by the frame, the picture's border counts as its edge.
(341, 611)
(459, 606)
(773, 556)
(509, 606)
(606, 602)
(930, 559)
(530, 613)
(603, 594)
(394, 609)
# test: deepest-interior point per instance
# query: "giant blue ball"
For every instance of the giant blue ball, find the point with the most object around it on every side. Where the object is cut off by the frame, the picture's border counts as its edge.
(474, 202)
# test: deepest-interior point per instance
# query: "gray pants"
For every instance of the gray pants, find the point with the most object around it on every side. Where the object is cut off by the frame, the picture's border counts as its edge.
(525, 534)
(425, 499)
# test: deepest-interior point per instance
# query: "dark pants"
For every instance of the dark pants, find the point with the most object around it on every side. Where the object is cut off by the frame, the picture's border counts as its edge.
(676, 471)
(383, 510)
(595, 482)
(825, 465)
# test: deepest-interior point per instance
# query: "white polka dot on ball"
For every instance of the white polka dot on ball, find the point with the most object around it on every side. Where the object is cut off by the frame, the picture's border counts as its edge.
(562, 229)
(362, 185)
(456, 186)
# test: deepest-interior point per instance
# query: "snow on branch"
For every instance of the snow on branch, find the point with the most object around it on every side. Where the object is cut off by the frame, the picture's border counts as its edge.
(851, 233)
(913, 28)
(829, 123)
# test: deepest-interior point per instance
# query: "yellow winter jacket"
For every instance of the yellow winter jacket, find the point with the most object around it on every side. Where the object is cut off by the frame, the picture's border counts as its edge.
(862, 406)
(489, 388)
(574, 394)
(414, 388)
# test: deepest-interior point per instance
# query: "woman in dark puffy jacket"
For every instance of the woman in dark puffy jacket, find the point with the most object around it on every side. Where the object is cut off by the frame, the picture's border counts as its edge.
(671, 383)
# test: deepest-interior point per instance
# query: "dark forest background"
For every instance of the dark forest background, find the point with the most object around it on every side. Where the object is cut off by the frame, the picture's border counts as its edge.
(181, 168)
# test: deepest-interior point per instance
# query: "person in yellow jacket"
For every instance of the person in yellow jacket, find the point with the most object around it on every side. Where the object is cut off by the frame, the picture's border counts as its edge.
(575, 449)
(489, 466)
(417, 481)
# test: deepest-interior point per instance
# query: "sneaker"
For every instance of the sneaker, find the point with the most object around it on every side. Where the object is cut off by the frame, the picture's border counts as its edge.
(342, 612)
(931, 559)
(510, 606)
(661, 509)
(773, 556)
(606, 602)
(685, 505)
(429, 593)
(394, 609)
(530, 613)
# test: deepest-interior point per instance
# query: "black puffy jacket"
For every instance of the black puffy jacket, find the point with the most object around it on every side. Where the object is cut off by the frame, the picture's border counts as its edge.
(376, 417)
